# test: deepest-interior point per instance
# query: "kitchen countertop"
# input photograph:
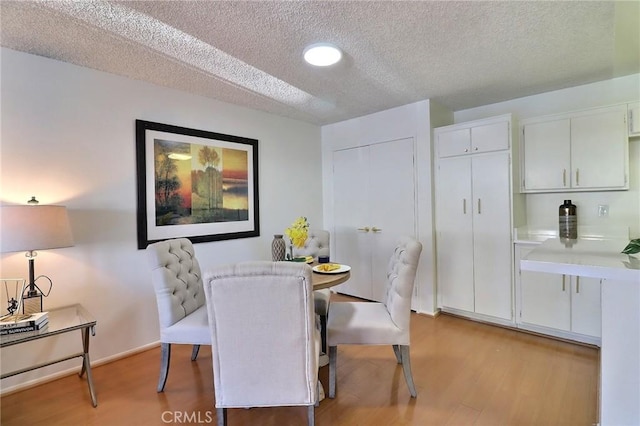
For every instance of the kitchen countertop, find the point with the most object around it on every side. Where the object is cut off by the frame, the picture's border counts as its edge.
(534, 235)
(597, 258)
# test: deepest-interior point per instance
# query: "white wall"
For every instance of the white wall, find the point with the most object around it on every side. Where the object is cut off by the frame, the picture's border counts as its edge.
(410, 121)
(68, 138)
(542, 209)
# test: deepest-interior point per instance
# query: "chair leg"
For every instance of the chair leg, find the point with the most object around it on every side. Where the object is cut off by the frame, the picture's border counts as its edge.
(194, 352)
(323, 332)
(396, 351)
(406, 368)
(333, 354)
(311, 418)
(165, 359)
(221, 415)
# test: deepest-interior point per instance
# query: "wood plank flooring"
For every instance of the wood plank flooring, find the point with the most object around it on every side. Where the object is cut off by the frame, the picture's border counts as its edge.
(466, 373)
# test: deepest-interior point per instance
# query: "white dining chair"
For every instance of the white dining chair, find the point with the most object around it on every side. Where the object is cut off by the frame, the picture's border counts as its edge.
(182, 312)
(317, 244)
(265, 344)
(374, 323)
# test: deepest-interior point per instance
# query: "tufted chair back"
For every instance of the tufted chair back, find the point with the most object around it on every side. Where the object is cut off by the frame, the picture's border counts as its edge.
(265, 345)
(365, 323)
(401, 274)
(177, 279)
(182, 310)
(317, 244)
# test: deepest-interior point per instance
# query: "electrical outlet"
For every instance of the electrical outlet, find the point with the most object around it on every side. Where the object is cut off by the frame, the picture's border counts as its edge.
(603, 210)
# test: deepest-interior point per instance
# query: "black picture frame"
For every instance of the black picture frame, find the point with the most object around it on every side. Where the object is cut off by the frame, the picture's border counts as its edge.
(209, 198)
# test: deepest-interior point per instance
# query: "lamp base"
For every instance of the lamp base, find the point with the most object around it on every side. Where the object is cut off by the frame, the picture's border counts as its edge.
(31, 303)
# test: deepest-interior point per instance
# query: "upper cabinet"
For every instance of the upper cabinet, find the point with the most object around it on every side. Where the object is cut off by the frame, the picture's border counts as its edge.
(473, 140)
(634, 119)
(581, 151)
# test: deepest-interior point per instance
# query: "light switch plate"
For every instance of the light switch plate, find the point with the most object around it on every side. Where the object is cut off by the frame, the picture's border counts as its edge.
(603, 210)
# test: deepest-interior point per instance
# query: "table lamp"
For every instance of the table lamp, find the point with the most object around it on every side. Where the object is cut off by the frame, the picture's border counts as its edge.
(29, 228)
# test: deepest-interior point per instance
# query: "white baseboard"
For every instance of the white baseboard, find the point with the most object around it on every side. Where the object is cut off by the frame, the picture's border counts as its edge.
(75, 370)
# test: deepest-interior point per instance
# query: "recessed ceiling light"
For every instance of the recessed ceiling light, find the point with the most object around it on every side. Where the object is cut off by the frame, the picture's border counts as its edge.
(322, 54)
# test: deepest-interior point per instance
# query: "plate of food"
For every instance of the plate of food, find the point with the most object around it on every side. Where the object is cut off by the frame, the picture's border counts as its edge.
(331, 268)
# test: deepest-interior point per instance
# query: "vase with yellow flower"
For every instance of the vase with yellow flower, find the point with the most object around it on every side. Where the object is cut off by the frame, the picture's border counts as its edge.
(297, 234)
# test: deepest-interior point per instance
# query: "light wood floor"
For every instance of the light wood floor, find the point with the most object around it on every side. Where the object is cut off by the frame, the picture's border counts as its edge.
(466, 373)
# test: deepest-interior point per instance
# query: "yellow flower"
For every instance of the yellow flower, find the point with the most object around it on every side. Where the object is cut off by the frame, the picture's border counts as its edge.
(297, 232)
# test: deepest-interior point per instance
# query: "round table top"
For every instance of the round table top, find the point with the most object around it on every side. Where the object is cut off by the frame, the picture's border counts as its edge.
(321, 281)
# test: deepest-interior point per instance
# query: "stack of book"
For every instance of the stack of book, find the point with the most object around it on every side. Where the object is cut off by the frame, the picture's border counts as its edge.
(12, 324)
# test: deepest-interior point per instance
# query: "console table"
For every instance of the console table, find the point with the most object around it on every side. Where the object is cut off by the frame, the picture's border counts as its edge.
(61, 320)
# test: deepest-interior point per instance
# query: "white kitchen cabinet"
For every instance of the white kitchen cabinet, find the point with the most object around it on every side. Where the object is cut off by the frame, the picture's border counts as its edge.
(474, 222)
(560, 305)
(633, 112)
(581, 151)
(478, 139)
(543, 297)
(374, 205)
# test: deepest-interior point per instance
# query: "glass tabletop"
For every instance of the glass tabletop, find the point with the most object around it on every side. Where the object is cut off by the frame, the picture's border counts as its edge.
(61, 320)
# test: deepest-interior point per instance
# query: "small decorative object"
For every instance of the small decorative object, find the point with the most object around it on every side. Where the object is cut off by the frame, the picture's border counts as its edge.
(633, 247)
(297, 234)
(278, 248)
(568, 220)
(323, 259)
(14, 301)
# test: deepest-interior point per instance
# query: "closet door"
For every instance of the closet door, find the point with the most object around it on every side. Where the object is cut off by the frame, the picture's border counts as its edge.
(455, 233)
(351, 218)
(492, 247)
(391, 204)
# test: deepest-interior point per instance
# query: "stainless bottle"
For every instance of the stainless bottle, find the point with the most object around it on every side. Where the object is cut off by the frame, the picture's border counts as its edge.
(568, 221)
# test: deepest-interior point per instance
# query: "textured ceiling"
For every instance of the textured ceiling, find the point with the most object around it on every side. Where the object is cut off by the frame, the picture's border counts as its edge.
(460, 54)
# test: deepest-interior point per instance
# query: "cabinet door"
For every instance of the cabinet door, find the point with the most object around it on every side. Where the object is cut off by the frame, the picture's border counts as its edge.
(391, 205)
(585, 306)
(454, 142)
(599, 149)
(492, 234)
(454, 233)
(490, 137)
(547, 155)
(351, 215)
(634, 119)
(546, 300)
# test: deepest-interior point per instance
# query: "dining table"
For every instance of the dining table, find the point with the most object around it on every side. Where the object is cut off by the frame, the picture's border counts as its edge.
(322, 280)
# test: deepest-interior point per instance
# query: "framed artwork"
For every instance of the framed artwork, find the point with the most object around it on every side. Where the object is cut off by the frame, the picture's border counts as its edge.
(195, 184)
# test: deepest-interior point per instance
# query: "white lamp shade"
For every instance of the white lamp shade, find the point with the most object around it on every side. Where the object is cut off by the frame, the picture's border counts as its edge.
(26, 228)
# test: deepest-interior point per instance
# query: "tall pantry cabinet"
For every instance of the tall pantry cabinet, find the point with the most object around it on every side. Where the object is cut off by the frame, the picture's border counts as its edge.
(475, 215)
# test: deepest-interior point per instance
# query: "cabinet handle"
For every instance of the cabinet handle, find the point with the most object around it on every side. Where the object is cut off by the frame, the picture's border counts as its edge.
(466, 150)
(464, 206)
(374, 229)
(563, 282)
(577, 285)
(577, 176)
(564, 177)
(365, 229)
(476, 148)
(479, 209)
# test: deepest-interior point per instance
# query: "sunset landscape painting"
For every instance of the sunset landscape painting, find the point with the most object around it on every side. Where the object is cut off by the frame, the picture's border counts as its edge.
(199, 183)
(195, 184)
